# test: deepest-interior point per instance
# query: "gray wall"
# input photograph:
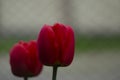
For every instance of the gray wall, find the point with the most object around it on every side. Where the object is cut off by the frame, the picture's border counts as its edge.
(87, 16)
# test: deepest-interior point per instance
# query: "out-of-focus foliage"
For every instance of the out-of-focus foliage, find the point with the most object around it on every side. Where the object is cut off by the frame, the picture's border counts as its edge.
(97, 43)
(83, 43)
(7, 42)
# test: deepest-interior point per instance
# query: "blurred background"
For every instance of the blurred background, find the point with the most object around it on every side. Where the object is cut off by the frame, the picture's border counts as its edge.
(97, 32)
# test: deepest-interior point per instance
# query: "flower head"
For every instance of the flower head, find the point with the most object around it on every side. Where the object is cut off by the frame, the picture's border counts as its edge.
(24, 59)
(56, 45)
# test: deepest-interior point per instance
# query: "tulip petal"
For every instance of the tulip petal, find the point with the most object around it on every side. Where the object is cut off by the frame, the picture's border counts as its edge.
(18, 56)
(33, 61)
(69, 45)
(65, 38)
(47, 46)
(60, 35)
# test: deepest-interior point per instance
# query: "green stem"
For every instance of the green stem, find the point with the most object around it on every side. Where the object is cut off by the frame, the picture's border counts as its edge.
(25, 78)
(54, 72)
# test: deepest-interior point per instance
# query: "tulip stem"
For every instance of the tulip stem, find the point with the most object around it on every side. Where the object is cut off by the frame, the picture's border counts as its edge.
(25, 78)
(54, 72)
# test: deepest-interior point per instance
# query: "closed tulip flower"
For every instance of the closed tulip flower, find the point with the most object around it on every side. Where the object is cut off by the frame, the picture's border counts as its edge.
(56, 45)
(24, 59)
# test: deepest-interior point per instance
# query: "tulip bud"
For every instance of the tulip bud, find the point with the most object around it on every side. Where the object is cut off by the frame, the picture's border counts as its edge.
(56, 45)
(24, 59)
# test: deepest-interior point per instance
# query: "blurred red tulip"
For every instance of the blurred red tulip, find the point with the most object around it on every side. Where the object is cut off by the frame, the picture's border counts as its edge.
(24, 59)
(56, 45)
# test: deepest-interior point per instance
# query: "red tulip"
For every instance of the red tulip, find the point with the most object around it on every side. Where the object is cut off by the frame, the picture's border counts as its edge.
(56, 45)
(24, 59)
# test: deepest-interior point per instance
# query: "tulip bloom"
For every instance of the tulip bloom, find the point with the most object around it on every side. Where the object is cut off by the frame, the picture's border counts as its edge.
(56, 45)
(24, 59)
